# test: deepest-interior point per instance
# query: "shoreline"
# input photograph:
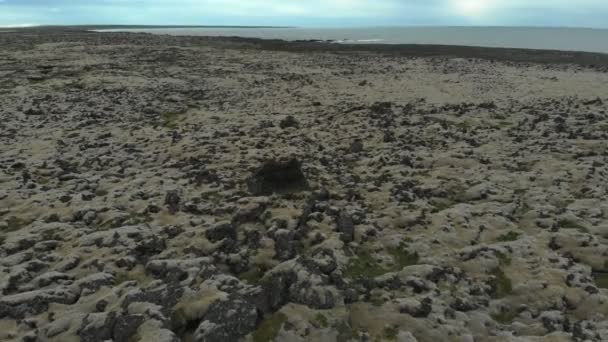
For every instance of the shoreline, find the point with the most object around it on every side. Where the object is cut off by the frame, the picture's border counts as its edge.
(595, 60)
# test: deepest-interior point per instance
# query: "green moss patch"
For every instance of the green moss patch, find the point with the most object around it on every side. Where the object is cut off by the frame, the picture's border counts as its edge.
(321, 320)
(601, 279)
(390, 333)
(170, 120)
(15, 223)
(365, 265)
(268, 330)
(501, 284)
(253, 276)
(570, 224)
(505, 317)
(510, 236)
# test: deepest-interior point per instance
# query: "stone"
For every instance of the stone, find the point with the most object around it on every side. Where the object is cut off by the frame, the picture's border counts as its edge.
(276, 176)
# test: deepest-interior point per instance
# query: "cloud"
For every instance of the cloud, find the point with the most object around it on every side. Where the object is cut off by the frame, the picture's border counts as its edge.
(308, 12)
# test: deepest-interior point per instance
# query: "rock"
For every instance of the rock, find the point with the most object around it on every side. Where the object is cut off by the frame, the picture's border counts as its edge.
(346, 227)
(222, 230)
(356, 146)
(277, 177)
(416, 308)
(227, 320)
(97, 327)
(172, 201)
(20, 305)
(68, 263)
(284, 244)
(126, 326)
(289, 122)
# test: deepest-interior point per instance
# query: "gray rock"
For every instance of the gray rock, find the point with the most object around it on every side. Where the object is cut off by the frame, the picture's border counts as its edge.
(284, 244)
(172, 201)
(227, 320)
(346, 227)
(222, 230)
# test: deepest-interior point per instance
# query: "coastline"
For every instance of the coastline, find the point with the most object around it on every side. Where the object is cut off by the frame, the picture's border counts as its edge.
(598, 61)
(227, 189)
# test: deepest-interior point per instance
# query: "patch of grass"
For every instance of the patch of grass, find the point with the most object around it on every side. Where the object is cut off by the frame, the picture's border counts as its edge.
(101, 192)
(346, 333)
(253, 276)
(501, 284)
(364, 265)
(510, 236)
(464, 125)
(390, 333)
(441, 204)
(170, 120)
(15, 223)
(127, 220)
(402, 257)
(321, 320)
(601, 279)
(570, 224)
(51, 234)
(505, 317)
(269, 328)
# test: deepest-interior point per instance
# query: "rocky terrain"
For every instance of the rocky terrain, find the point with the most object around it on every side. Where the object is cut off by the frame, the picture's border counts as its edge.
(160, 188)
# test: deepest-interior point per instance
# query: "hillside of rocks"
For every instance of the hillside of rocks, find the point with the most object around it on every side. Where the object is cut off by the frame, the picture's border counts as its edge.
(157, 188)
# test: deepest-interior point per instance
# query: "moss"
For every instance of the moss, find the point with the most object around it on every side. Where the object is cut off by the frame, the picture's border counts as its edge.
(346, 333)
(365, 265)
(101, 193)
(15, 223)
(501, 284)
(441, 204)
(510, 236)
(321, 320)
(134, 275)
(402, 257)
(253, 276)
(390, 333)
(601, 279)
(269, 328)
(570, 224)
(377, 300)
(505, 317)
(51, 234)
(170, 120)
(127, 220)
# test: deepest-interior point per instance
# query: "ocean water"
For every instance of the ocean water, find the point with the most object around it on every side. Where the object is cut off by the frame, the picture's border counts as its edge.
(567, 39)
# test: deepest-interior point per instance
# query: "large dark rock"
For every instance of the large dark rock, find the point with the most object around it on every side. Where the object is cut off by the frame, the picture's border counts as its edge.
(277, 177)
(172, 200)
(346, 226)
(288, 122)
(227, 320)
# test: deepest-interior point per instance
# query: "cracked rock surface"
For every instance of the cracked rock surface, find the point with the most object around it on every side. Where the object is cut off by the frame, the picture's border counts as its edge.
(157, 188)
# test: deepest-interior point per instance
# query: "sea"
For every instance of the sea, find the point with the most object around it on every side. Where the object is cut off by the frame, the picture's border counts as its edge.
(565, 39)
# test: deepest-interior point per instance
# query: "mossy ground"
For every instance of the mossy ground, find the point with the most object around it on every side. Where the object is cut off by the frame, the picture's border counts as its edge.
(15, 223)
(570, 224)
(601, 279)
(321, 320)
(510, 236)
(269, 328)
(365, 265)
(505, 317)
(170, 120)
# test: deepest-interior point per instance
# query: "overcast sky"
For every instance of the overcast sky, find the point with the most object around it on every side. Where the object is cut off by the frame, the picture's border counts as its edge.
(320, 13)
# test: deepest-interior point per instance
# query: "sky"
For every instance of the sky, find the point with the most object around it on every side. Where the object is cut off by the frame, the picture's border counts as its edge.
(307, 13)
